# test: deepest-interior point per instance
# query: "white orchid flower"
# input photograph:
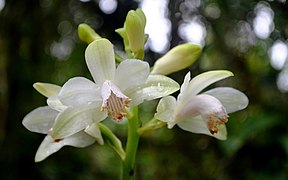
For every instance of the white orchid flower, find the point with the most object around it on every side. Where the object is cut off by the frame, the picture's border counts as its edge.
(113, 90)
(41, 120)
(204, 113)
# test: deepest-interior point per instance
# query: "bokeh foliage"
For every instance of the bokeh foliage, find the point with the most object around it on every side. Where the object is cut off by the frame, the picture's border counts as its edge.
(38, 42)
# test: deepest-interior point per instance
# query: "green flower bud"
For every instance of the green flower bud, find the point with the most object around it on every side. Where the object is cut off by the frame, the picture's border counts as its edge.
(178, 58)
(87, 34)
(133, 33)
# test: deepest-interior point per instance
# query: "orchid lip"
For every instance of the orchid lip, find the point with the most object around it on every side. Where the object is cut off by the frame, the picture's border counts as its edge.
(114, 101)
(209, 107)
(216, 119)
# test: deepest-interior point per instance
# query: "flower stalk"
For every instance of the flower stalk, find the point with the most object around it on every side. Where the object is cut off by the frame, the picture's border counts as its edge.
(110, 138)
(151, 125)
(131, 146)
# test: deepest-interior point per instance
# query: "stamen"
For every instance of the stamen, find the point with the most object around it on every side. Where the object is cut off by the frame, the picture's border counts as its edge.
(216, 119)
(115, 106)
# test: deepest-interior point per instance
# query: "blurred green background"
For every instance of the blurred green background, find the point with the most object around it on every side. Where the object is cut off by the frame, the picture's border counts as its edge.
(39, 43)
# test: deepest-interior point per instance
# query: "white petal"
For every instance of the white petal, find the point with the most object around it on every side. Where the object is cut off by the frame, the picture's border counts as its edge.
(80, 140)
(100, 60)
(54, 103)
(165, 110)
(46, 148)
(136, 96)
(198, 125)
(94, 131)
(78, 91)
(108, 87)
(130, 73)
(73, 120)
(202, 104)
(156, 86)
(232, 99)
(47, 89)
(184, 85)
(49, 146)
(40, 120)
(203, 80)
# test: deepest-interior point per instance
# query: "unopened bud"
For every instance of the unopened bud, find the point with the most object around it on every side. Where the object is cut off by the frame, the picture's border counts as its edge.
(178, 58)
(87, 34)
(133, 33)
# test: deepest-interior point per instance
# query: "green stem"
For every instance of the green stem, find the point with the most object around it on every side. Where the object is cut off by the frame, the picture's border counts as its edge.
(131, 146)
(151, 125)
(118, 58)
(112, 140)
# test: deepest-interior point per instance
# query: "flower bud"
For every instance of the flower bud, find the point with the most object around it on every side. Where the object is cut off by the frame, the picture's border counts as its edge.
(178, 58)
(87, 34)
(133, 33)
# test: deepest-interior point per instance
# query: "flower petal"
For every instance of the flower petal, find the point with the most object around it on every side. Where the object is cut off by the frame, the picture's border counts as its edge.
(100, 60)
(40, 120)
(49, 146)
(232, 99)
(202, 104)
(54, 103)
(156, 86)
(94, 131)
(73, 120)
(184, 86)
(198, 125)
(165, 110)
(47, 89)
(203, 80)
(130, 73)
(78, 91)
(136, 96)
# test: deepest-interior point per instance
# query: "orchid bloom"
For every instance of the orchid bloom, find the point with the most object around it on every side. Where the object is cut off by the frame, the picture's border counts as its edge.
(113, 90)
(204, 113)
(41, 120)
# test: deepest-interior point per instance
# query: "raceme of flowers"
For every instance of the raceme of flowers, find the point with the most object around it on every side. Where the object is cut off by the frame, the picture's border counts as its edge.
(74, 112)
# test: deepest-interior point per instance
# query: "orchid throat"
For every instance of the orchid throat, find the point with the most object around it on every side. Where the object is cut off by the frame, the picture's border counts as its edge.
(114, 101)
